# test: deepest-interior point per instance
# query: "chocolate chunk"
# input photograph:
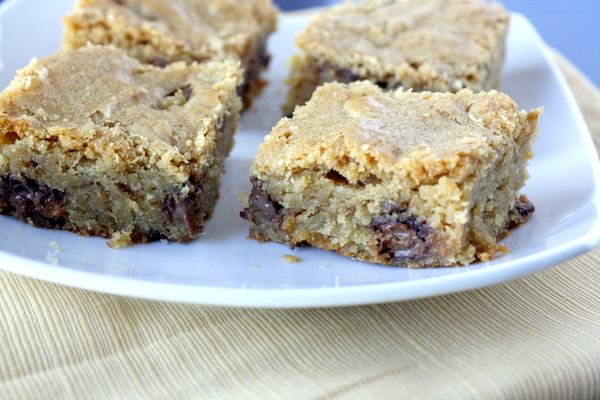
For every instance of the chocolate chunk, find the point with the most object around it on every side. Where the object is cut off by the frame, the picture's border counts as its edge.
(522, 211)
(403, 240)
(252, 81)
(182, 207)
(263, 210)
(33, 202)
(262, 202)
(524, 207)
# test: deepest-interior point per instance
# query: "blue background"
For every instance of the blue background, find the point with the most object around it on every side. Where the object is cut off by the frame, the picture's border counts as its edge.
(571, 27)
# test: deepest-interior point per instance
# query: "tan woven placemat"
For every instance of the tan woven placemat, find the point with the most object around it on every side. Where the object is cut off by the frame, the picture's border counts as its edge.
(533, 338)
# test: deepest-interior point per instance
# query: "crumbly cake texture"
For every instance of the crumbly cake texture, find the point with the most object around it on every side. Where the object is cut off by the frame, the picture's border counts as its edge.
(94, 142)
(394, 177)
(161, 32)
(426, 45)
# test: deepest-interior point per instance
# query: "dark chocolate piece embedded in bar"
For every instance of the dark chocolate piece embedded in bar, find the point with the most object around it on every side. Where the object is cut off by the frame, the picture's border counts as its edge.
(182, 208)
(32, 202)
(522, 212)
(263, 203)
(403, 240)
(265, 211)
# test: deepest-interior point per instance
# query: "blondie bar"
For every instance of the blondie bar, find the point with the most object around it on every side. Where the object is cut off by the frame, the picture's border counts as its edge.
(433, 45)
(395, 177)
(160, 32)
(95, 142)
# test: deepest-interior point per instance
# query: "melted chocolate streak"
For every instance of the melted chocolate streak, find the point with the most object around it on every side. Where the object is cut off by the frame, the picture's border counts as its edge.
(183, 208)
(403, 240)
(32, 201)
(260, 201)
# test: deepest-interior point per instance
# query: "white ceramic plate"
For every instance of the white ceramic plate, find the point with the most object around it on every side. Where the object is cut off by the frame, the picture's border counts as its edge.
(225, 268)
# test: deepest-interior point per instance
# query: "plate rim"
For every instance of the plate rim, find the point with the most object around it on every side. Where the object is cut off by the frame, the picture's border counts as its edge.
(304, 298)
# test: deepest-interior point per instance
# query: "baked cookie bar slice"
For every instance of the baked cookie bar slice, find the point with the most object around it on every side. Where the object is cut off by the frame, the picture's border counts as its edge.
(94, 142)
(160, 32)
(395, 177)
(433, 45)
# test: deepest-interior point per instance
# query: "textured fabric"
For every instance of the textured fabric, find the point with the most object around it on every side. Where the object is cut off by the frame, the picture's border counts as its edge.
(536, 337)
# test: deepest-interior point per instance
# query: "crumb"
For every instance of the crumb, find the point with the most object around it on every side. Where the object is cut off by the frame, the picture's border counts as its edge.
(164, 241)
(55, 245)
(255, 266)
(290, 259)
(120, 239)
(487, 255)
(323, 265)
